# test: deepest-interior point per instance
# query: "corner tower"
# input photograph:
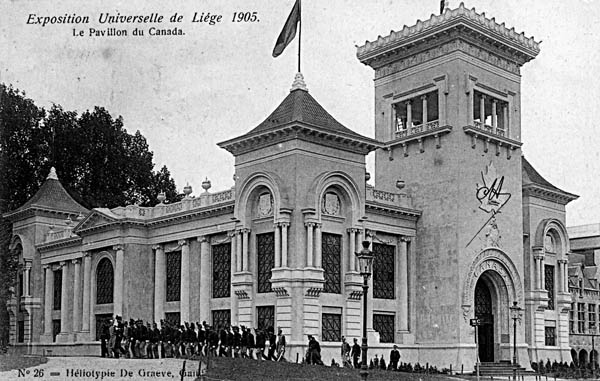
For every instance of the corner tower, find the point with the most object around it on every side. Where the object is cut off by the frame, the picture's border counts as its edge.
(447, 107)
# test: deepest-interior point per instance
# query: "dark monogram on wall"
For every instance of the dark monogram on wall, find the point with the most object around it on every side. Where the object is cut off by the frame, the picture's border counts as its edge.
(492, 198)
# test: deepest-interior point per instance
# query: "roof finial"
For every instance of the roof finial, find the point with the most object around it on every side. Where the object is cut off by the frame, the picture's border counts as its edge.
(299, 83)
(52, 175)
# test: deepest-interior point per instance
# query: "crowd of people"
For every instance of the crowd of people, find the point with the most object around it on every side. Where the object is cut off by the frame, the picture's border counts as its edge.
(351, 357)
(134, 339)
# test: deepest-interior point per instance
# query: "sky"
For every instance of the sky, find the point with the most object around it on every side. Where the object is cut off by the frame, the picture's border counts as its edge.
(187, 93)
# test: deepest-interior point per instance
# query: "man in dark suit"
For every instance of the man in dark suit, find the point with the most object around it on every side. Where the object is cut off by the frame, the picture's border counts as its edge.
(355, 353)
(394, 358)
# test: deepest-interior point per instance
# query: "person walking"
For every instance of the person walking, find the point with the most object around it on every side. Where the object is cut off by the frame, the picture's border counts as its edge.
(355, 353)
(345, 352)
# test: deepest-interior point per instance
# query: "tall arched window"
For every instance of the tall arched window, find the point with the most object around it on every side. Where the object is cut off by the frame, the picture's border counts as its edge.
(104, 282)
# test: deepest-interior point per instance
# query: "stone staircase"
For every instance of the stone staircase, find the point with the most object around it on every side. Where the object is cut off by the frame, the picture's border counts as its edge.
(502, 369)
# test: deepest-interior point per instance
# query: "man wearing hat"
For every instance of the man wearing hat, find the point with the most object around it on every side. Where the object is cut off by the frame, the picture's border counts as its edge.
(394, 358)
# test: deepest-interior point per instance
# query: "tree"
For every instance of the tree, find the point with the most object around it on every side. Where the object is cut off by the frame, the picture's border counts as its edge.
(97, 161)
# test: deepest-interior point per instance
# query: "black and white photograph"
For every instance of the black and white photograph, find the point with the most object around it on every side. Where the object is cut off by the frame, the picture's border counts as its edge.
(299, 190)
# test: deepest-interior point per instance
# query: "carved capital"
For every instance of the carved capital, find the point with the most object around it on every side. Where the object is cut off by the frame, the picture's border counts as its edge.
(318, 225)
(562, 261)
(86, 254)
(204, 238)
(352, 230)
(182, 242)
(157, 247)
(245, 231)
(405, 238)
(47, 266)
(539, 256)
(284, 224)
(309, 224)
(75, 261)
(369, 233)
(62, 264)
(117, 247)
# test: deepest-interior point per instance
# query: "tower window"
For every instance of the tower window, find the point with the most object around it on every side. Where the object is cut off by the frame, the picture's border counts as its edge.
(415, 115)
(490, 114)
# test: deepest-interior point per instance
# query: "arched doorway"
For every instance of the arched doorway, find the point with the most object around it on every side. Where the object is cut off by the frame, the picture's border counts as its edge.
(484, 312)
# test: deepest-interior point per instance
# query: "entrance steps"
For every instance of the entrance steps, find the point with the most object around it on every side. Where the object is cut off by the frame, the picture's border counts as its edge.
(502, 368)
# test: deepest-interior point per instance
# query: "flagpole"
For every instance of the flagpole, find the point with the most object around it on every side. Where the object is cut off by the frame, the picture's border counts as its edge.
(299, 31)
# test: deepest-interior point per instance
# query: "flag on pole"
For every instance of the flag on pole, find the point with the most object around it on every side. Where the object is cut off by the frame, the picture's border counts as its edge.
(289, 30)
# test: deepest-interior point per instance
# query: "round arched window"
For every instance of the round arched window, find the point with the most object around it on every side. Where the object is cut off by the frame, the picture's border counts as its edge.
(104, 282)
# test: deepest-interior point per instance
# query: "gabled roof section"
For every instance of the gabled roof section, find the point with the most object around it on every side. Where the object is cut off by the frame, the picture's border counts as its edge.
(98, 218)
(51, 196)
(535, 185)
(302, 116)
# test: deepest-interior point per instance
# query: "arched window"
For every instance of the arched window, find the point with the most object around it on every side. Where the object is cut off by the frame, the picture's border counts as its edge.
(104, 282)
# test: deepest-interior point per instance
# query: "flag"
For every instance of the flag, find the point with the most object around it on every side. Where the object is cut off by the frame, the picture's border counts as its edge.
(289, 30)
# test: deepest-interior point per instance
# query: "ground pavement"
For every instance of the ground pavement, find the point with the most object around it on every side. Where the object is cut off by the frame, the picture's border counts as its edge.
(104, 369)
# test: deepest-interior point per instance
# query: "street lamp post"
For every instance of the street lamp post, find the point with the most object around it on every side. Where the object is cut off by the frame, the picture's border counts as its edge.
(593, 352)
(515, 314)
(365, 261)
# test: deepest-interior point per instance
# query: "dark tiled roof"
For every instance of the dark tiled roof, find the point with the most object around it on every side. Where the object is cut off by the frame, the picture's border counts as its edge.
(300, 106)
(52, 195)
(529, 173)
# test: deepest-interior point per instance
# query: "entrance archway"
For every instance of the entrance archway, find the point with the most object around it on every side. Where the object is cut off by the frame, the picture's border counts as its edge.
(484, 312)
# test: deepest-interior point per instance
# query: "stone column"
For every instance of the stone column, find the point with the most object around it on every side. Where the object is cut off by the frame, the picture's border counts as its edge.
(394, 121)
(284, 244)
(560, 274)
(309, 243)
(87, 279)
(238, 252)
(318, 246)
(494, 115)
(64, 298)
(160, 286)
(536, 259)
(505, 120)
(184, 290)
(408, 116)
(424, 99)
(563, 276)
(118, 289)
(403, 283)
(246, 234)
(541, 278)
(352, 249)
(277, 246)
(205, 276)
(26, 276)
(76, 290)
(482, 110)
(48, 300)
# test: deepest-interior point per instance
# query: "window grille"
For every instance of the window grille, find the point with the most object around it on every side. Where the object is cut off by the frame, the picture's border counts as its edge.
(331, 251)
(221, 318)
(221, 256)
(265, 249)
(580, 317)
(331, 327)
(384, 324)
(266, 317)
(550, 333)
(592, 318)
(383, 271)
(572, 318)
(173, 260)
(173, 318)
(104, 282)
(57, 289)
(549, 284)
(483, 300)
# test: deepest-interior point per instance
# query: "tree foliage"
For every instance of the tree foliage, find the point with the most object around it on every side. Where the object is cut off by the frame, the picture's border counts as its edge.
(96, 160)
